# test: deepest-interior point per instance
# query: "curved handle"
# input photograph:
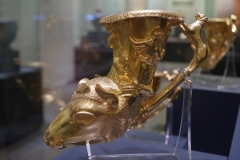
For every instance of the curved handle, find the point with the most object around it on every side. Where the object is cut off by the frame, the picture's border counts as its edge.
(193, 32)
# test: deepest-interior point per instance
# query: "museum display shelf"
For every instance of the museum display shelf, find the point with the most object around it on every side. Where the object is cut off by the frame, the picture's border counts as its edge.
(124, 144)
(20, 104)
(214, 113)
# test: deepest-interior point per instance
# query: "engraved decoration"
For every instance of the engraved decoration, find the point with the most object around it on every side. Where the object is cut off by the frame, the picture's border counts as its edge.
(103, 108)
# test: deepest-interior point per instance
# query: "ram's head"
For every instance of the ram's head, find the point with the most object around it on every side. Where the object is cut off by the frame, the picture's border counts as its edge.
(96, 113)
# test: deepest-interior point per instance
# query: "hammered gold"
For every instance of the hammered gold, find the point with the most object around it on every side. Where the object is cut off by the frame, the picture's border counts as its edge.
(103, 108)
(220, 35)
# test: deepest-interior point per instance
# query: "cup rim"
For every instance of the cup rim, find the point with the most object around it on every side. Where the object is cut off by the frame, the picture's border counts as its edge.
(139, 14)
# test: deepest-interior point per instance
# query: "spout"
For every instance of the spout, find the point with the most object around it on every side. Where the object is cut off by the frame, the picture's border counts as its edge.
(52, 142)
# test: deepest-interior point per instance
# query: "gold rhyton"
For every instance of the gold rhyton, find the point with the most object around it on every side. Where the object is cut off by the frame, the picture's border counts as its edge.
(103, 108)
(220, 35)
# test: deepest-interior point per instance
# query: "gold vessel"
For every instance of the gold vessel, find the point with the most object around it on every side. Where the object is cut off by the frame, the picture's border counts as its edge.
(220, 35)
(103, 108)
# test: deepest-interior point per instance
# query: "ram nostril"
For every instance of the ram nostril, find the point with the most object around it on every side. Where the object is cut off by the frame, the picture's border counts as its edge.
(47, 134)
(46, 138)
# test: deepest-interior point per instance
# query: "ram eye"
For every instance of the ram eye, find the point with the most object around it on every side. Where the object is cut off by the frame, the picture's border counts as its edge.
(83, 117)
(82, 88)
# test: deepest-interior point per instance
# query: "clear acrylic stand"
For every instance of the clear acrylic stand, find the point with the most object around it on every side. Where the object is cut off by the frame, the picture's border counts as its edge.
(140, 150)
(168, 134)
(223, 81)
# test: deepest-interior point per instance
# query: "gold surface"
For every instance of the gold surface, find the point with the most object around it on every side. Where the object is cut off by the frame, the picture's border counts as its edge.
(220, 35)
(157, 79)
(103, 108)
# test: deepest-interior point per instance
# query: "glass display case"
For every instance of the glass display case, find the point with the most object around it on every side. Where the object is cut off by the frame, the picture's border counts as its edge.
(48, 46)
(20, 81)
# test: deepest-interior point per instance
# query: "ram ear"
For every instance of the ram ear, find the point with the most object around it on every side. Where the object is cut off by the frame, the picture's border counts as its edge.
(110, 98)
(82, 86)
(96, 76)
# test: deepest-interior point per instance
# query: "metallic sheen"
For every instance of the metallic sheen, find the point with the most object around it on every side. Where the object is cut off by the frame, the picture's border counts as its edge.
(103, 108)
(220, 35)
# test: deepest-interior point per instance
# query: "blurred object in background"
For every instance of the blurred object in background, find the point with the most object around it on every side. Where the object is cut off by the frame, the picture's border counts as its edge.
(9, 58)
(21, 109)
(96, 18)
(53, 96)
(91, 58)
(93, 54)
